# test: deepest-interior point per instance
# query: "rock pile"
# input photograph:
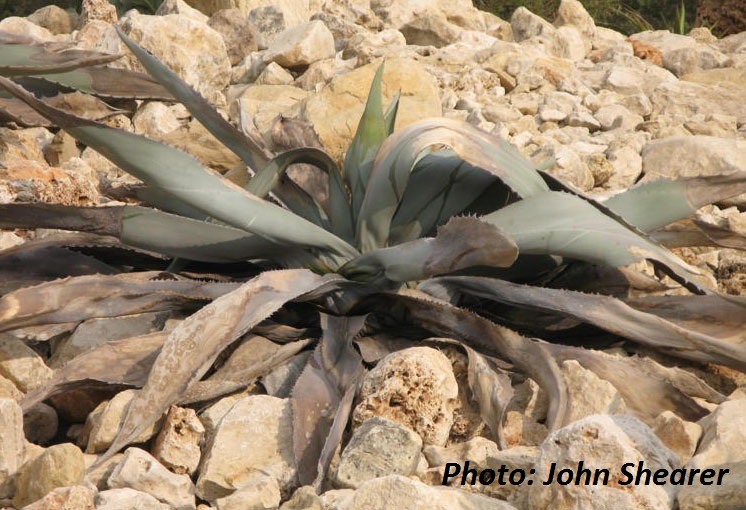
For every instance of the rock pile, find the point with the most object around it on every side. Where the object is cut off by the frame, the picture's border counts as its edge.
(610, 109)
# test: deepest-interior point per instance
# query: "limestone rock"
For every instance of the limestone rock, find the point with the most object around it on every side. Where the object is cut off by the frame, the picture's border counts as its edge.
(367, 46)
(274, 74)
(21, 364)
(195, 139)
(183, 8)
(11, 444)
(101, 10)
(723, 437)
(476, 449)
(572, 13)
(396, 491)
(415, 387)
(305, 498)
(678, 435)
(335, 111)
(140, 471)
(518, 457)
(177, 445)
(128, 499)
(254, 436)
(103, 423)
(155, 119)
(612, 444)
(76, 497)
(192, 49)
(526, 24)
(589, 393)
(260, 492)
(430, 29)
(687, 98)
(569, 166)
(728, 494)
(23, 26)
(60, 465)
(54, 19)
(379, 447)
(301, 45)
(238, 33)
(459, 12)
(688, 156)
(99, 476)
(265, 103)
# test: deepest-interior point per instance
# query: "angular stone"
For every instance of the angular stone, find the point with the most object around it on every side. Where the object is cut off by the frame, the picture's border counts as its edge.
(274, 74)
(335, 111)
(183, 8)
(22, 26)
(727, 494)
(54, 19)
(140, 471)
(724, 437)
(76, 497)
(195, 139)
(712, 93)
(476, 450)
(11, 444)
(254, 436)
(368, 46)
(103, 423)
(301, 45)
(101, 10)
(191, 49)
(155, 119)
(238, 33)
(600, 442)
(572, 13)
(305, 498)
(99, 476)
(260, 492)
(128, 499)
(60, 465)
(526, 24)
(589, 394)
(430, 29)
(265, 103)
(22, 365)
(396, 491)
(415, 387)
(177, 445)
(679, 435)
(379, 447)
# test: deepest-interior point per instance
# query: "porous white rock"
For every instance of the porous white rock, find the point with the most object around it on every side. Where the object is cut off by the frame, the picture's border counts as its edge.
(177, 445)
(12, 444)
(415, 387)
(60, 465)
(21, 364)
(103, 423)
(128, 499)
(723, 436)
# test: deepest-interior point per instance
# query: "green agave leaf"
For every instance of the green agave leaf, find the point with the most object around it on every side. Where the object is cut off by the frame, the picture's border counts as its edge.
(400, 153)
(19, 58)
(196, 342)
(608, 313)
(441, 186)
(110, 82)
(389, 118)
(370, 134)
(339, 214)
(460, 243)
(655, 204)
(181, 175)
(250, 150)
(558, 223)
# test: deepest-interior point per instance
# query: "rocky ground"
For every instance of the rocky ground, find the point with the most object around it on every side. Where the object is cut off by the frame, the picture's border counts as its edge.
(612, 110)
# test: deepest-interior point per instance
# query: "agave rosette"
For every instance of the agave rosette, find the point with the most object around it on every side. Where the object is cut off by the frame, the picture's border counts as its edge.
(418, 223)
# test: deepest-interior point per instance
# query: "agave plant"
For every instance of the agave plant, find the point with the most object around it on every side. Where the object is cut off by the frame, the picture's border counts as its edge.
(438, 227)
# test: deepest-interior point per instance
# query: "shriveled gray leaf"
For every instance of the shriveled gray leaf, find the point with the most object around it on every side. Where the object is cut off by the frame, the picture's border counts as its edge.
(85, 297)
(333, 368)
(196, 342)
(119, 362)
(610, 314)
(492, 391)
